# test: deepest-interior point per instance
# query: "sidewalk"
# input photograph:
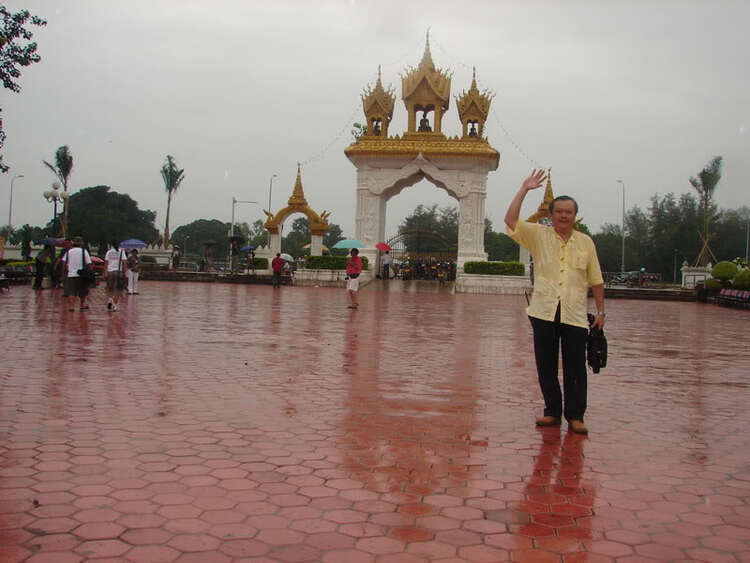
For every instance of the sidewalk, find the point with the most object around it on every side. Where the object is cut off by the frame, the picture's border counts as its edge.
(218, 422)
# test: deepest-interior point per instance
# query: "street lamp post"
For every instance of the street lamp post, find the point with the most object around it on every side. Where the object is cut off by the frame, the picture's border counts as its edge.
(270, 187)
(235, 201)
(10, 206)
(622, 262)
(54, 196)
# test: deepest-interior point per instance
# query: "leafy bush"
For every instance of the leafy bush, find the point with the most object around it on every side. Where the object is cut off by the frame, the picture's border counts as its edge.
(494, 268)
(260, 263)
(713, 287)
(20, 263)
(724, 271)
(741, 279)
(331, 263)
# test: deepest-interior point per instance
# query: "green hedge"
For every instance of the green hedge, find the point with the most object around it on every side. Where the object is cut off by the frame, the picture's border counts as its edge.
(331, 263)
(260, 263)
(494, 268)
(16, 263)
(742, 279)
(724, 270)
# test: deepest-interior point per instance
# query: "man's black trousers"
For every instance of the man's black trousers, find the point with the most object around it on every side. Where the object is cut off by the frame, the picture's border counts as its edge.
(548, 336)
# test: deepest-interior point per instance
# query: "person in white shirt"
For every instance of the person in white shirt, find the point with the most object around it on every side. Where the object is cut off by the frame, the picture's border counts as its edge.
(116, 261)
(134, 266)
(74, 286)
(386, 261)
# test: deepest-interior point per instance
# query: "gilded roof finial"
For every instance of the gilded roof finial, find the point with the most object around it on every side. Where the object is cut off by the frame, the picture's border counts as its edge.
(474, 77)
(298, 195)
(427, 61)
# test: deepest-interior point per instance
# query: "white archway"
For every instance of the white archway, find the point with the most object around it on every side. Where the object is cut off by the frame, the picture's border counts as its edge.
(378, 181)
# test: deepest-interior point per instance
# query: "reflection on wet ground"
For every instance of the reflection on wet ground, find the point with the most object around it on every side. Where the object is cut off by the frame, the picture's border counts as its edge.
(210, 422)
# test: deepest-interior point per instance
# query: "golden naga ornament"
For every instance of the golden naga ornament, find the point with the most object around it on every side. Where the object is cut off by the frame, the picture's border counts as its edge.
(297, 204)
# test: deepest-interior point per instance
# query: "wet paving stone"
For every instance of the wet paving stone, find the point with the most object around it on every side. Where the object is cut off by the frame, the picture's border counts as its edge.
(211, 422)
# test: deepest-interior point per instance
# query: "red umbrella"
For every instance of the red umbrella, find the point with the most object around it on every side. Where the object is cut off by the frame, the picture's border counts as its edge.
(97, 260)
(382, 246)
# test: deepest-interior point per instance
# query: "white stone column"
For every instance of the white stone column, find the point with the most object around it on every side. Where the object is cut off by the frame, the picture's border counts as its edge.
(316, 245)
(369, 220)
(471, 228)
(275, 244)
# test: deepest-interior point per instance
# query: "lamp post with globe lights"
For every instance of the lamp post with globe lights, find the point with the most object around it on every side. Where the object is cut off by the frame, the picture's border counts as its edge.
(55, 195)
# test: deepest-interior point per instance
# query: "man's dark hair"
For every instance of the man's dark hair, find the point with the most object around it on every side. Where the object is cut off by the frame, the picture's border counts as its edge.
(562, 198)
(114, 244)
(278, 254)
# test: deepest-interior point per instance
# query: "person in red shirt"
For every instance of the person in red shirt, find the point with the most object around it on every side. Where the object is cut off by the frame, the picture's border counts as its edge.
(353, 270)
(277, 265)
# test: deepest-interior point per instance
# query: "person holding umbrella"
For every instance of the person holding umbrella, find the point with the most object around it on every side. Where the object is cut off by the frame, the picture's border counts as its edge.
(134, 266)
(353, 270)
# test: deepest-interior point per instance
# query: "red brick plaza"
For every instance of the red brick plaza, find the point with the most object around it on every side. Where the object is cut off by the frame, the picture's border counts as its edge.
(214, 423)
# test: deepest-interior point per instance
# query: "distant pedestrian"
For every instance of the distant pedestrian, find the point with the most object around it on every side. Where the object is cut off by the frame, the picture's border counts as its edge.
(134, 267)
(116, 266)
(386, 262)
(41, 266)
(175, 257)
(353, 270)
(76, 259)
(277, 265)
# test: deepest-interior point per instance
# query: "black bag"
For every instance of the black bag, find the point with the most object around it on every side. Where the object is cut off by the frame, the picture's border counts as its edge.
(596, 346)
(86, 273)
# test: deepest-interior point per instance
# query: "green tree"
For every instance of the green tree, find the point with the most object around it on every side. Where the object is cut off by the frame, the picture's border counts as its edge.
(608, 243)
(443, 222)
(15, 53)
(62, 169)
(173, 177)
(299, 236)
(191, 237)
(333, 235)
(705, 185)
(101, 215)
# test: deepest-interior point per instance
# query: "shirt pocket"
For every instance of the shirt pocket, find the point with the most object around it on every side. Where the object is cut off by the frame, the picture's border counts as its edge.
(580, 260)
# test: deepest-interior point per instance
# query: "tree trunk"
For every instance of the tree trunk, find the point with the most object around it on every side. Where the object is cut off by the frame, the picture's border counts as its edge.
(65, 216)
(166, 224)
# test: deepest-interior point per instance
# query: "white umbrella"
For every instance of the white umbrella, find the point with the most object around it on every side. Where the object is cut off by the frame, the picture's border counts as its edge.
(287, 257)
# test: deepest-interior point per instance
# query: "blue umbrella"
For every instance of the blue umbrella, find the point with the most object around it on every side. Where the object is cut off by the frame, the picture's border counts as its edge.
(349, 243)
(247, 247)
(50, 241)
(132, 243)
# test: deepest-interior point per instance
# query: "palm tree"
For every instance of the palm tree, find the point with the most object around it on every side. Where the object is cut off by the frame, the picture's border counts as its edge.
(172, 177)
(705, 185)
(62, 169)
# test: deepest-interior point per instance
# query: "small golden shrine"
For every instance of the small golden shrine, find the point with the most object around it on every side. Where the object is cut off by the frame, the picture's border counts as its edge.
(298, 204)
(425, 91)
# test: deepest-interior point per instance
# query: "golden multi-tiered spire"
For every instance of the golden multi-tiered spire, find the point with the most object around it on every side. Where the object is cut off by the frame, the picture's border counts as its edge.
(473, 109)
(298, 194)
(543, 211)
(378, 105)
(426, 89)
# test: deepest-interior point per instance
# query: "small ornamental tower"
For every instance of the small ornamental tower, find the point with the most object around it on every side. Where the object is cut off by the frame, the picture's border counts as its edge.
(473, 109)
(426, 89)
(378, 105)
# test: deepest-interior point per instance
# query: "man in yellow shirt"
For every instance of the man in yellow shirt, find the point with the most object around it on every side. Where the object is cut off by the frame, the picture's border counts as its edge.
(565, 266)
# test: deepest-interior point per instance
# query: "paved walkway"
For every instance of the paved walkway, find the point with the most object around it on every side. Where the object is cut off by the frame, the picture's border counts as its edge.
(214, 423)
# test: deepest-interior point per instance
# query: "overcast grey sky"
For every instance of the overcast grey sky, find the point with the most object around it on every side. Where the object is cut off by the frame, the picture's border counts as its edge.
(646, 92)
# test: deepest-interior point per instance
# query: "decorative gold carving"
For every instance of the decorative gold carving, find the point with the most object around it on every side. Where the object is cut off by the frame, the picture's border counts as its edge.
(426, 88)
(378, 106)
(473, 109)
(297, 204)
(432, 145)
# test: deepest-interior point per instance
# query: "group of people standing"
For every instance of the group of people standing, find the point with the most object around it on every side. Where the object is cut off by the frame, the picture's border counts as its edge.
(74, 271)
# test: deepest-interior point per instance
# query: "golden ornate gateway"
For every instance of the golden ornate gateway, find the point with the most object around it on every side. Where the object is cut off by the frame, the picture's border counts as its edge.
(387, 164)
(297, 203)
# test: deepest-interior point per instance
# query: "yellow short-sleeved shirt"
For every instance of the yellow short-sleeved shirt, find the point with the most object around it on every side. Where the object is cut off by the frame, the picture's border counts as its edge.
(563, 272)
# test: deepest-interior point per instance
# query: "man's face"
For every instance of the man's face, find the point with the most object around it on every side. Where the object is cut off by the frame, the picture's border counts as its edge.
(564, 215)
